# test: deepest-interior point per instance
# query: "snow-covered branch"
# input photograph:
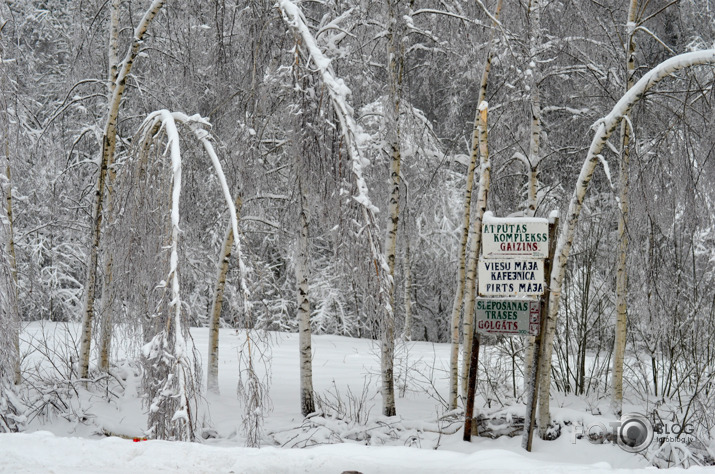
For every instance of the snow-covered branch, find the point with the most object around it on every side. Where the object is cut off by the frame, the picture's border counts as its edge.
(604, 128)
(350, 130)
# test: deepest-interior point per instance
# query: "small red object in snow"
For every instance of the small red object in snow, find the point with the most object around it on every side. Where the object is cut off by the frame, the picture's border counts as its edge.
(136, 440)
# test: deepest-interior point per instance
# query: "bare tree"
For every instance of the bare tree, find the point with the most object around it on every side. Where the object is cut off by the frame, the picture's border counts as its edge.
(619, 348)
(604, 128)
(338, 93)
(109, 143)
(461, 273)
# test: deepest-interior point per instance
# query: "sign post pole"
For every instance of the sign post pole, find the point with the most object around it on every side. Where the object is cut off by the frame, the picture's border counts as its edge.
(511, 268)
(534, 375)
(471, 387)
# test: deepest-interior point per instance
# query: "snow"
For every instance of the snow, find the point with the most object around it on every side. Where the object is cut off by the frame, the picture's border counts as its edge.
(343, 367)
(490, 218)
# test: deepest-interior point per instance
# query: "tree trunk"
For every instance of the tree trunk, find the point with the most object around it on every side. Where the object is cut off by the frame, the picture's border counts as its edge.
(105, 337)
(216, 304)
(105, 341)
(9, 329)
(461, 272)
(534, 159)
(619, 346)
(109, 142)
(307, 403)
(392, 122)
(407, 331)
(475, 246)
(17, 378)
(604, 128)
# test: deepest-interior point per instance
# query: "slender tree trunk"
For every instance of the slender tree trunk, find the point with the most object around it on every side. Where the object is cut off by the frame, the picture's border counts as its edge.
(461, 272)
(106, 328)
(13, 265)
(109, 142)
(619, 346)
(533, 80)
(10, 323)
(216, 304)
(604, 128)
(407, 331)
(105, 340)
(475, 245)
(6, 189)
(338, 93)
(12, 261)
(392, 118)
(307, 403)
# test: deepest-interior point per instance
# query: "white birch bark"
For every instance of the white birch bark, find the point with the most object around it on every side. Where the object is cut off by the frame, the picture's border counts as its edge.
(12, 262)
(533, 81)
(109, 142)
(352, 135)
(105, 339)
(475, 245)
(307, 403)
(216, 304)
(604, 128)
(534, 159)
(9, 327)
(461, 272)
(392, 123)
(619, 345)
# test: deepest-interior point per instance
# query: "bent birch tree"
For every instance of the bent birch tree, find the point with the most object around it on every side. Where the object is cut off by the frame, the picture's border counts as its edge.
(172, 369)
(604, 128)
(352, 135)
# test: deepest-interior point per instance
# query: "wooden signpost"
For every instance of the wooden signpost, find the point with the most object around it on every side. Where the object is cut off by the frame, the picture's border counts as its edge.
(512, 270)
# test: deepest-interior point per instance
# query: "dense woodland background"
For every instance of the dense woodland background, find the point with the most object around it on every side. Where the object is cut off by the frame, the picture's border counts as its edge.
(237, 64)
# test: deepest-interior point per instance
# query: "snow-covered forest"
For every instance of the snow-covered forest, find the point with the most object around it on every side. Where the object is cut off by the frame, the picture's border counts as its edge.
(187, 185)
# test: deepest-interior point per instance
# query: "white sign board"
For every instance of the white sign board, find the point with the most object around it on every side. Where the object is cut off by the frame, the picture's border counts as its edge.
(515, 237)
(507, 316)
(506, 277)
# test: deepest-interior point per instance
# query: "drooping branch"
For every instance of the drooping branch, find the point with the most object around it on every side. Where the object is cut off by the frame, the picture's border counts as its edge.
(173, 381)
(338, 92)
(604, 128)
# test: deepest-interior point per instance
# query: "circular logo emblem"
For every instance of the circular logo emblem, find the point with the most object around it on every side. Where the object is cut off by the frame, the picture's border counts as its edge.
(635, 433)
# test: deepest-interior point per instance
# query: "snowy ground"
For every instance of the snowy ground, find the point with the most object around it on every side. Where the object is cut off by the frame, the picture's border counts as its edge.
(344, 366)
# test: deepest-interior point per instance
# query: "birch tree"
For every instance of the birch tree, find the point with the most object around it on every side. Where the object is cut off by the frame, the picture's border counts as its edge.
(603, 130)
(338, 93)
(532, 162)
(109, 143)
(10, 405)
(7, 218)
(619, 348)
(216, 305)
(461, 273)
(475, 244)
(307, 403)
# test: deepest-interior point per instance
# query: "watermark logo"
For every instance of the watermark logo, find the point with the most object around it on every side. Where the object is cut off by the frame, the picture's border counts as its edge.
(634, 432)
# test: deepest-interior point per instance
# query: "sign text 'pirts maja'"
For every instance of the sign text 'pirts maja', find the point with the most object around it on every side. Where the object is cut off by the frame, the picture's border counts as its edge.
(504, 277)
